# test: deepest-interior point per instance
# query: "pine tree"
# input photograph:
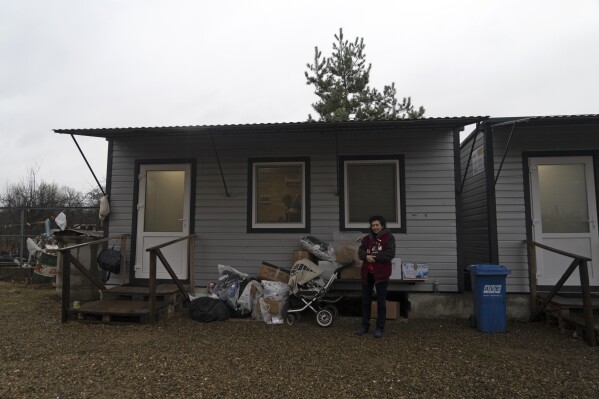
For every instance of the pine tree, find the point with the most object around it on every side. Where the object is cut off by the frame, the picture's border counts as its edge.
(341, 84)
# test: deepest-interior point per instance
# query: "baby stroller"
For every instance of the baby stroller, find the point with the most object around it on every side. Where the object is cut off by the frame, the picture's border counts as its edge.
(309, 290)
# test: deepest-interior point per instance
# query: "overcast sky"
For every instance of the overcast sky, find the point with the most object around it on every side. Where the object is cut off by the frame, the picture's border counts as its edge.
(118, 63)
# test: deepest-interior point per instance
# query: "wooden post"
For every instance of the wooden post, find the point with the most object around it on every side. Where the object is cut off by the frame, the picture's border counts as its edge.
(123, 274)
(66, 286)
(170, 271)
(152, 287)
(93, 279)
(556, 288)
(191, 268)
(587, 304)
(532, 276)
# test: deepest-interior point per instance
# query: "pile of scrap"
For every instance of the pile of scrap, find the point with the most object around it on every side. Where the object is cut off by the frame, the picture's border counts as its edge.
(238, 295)
(265, 296)
(43, 257)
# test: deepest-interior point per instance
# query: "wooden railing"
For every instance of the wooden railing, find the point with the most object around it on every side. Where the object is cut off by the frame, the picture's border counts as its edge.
(155, 252)
(68, 259)
(580, 262)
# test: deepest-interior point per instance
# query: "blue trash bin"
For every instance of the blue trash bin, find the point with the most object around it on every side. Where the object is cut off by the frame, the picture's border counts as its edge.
(488, 294)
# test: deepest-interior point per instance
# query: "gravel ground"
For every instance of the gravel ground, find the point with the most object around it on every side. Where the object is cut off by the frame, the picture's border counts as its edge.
(182, 358)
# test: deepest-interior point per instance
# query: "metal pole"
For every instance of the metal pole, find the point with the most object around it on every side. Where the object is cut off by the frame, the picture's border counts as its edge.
(507, 147)
(88, 165)
(469, 157)
(222, 175)
(22, 235)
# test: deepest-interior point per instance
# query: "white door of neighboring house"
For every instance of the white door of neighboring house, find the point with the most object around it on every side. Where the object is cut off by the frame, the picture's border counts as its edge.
(163, 209)
(564, 215)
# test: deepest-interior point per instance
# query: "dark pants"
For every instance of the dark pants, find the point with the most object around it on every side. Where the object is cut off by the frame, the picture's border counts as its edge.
(381, 297)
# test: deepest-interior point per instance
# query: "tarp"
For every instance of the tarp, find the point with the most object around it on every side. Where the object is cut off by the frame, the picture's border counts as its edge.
(303, 272)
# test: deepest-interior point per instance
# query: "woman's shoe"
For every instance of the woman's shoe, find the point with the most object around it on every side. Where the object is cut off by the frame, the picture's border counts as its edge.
(362, 330)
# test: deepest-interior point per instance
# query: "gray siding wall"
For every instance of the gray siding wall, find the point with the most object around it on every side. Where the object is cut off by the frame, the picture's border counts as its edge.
(474, 226)
(510, 190)
(220, 222)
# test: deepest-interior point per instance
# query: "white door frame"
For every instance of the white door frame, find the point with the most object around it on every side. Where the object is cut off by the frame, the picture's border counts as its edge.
(176, 254)
(551, 266)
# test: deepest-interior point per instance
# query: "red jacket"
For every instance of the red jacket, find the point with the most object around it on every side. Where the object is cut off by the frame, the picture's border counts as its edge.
(383, 247)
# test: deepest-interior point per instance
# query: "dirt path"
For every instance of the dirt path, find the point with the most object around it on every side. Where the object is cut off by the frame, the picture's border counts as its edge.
(42, 358)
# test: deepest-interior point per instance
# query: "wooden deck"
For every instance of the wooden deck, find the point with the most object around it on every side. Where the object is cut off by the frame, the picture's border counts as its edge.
(567, 314)
(125, 304)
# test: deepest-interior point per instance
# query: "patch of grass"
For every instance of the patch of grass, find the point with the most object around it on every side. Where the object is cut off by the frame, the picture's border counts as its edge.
(23, 297)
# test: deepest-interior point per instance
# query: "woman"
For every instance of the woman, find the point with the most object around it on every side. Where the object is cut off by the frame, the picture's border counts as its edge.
(376, 251)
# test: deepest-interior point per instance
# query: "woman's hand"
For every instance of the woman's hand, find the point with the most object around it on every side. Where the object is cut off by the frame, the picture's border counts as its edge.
(370, 259)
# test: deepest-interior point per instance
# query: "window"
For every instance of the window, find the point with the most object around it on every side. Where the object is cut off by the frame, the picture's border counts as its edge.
(372, 187)
(278, 195)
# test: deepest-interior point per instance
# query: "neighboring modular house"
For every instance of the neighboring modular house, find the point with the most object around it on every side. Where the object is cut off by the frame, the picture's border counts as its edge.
(532, 178)
(250, 192)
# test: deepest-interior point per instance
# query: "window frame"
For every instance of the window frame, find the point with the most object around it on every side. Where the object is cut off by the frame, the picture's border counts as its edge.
(252, 225)
(399, 161)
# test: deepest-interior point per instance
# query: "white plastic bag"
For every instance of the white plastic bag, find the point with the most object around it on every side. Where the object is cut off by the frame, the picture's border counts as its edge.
(104, 209)
(61, 221)
(275, 290)
(246, 300)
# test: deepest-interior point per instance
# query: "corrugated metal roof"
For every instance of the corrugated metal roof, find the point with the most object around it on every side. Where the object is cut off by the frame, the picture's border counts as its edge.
(546, 120)
(285, 127)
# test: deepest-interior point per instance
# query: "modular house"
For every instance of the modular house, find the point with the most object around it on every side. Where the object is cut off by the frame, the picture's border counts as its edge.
(250, 192)
(535, 179)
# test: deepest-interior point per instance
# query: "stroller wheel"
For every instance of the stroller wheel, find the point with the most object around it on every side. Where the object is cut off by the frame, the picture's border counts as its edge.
(333, 310)
(291, 319)
(324, 317)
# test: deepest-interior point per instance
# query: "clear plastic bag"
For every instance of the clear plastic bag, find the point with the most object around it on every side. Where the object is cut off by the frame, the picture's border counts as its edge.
(252, 291)
(227, 289)
(318, 248)
(228, 285)
(275, 290)
(231, 272)
(265, 311)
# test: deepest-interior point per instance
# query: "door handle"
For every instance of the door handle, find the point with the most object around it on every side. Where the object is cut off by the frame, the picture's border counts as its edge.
(591, 222)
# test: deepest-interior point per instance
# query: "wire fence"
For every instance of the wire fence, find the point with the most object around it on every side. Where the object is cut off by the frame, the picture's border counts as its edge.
(17, 224)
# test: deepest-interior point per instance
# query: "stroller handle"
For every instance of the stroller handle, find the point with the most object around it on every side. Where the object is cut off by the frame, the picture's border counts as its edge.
(338, 270)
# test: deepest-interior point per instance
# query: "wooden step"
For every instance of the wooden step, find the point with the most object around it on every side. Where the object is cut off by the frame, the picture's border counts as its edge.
(121, 311)
(567, 314)
(568, 302)
(164, 293)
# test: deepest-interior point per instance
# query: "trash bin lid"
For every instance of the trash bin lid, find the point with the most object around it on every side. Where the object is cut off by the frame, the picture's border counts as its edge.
(489, 270)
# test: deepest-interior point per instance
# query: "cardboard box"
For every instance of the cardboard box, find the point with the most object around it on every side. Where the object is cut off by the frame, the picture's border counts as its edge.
(271, 272)
(274, 306)
(300, 254)
(414, 271)
(392, 310)
(395, 269)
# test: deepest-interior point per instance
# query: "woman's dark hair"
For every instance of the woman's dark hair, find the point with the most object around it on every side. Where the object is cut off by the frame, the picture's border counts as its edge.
(379, 218)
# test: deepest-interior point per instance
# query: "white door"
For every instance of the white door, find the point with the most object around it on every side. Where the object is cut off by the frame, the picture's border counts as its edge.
(162, 216)
(564, 215)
